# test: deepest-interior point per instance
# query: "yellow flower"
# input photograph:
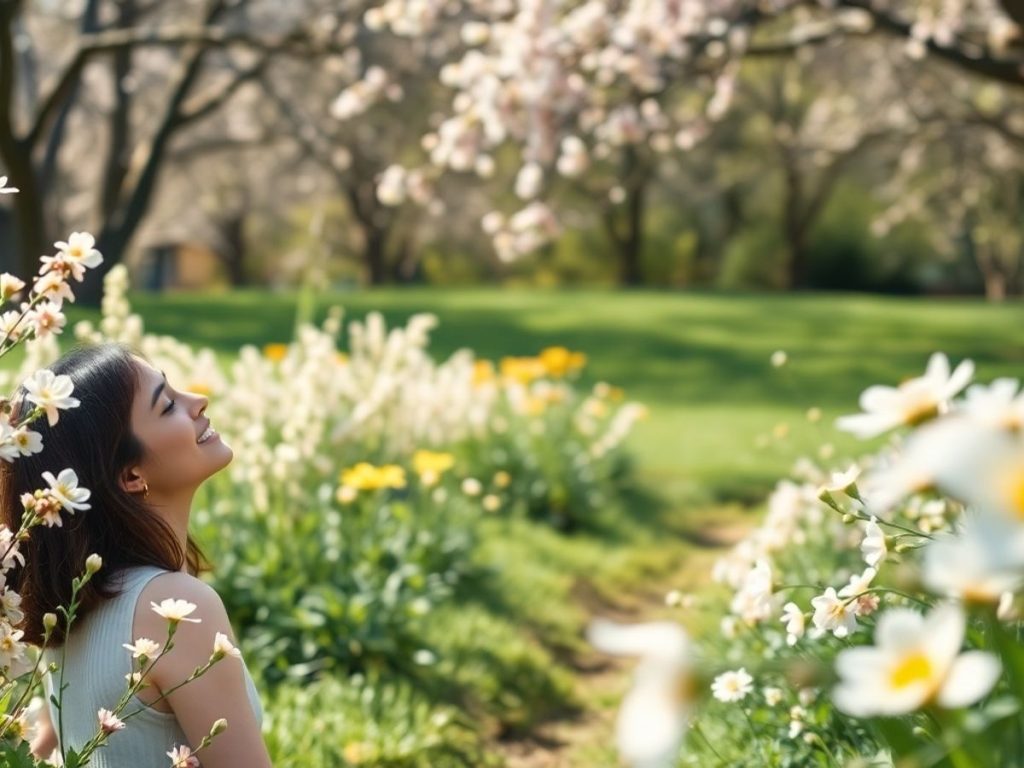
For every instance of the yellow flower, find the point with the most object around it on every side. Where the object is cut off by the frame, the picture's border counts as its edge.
(430, 465)
(366, 477)
(199, 388)
(534, 406)
(483, 372)
(502, 479)
(275, 352)
(522, 369)
(559, 361)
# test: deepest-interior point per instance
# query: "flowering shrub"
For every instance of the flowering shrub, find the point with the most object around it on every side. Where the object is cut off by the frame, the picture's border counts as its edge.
(873, 616)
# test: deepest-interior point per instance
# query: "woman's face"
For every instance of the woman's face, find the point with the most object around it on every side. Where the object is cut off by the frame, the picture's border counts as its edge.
(181, 447)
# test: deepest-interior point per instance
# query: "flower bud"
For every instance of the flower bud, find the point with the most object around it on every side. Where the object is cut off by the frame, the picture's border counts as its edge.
(93, 563)
(219, 726)
(49, 621)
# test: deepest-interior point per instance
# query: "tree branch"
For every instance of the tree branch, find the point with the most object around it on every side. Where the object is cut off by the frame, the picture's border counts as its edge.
(971, 56)
(295, 43)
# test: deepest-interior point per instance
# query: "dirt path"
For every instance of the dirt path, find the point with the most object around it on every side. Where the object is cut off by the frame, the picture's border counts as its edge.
(586, 740)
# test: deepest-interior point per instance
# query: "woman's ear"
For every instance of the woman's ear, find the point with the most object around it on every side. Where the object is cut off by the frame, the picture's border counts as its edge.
(132, 482)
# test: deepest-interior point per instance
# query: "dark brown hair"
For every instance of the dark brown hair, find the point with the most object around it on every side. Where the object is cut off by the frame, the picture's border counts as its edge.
(96, 441)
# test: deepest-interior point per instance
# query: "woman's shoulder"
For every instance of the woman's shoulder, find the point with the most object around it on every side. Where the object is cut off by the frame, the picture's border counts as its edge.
(179, 585)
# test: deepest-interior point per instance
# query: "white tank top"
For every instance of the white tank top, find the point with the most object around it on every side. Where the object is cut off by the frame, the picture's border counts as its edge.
(95, 669)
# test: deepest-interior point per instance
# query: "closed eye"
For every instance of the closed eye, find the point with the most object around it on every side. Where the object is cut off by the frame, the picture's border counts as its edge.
(168, 409)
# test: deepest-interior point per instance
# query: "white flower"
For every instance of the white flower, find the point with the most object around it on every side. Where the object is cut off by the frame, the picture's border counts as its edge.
(732, 686)
(144, 648)
(182, 757)
(175, 610)
(653, 716)
(916, 660)
(79, 251)
(51, 393)
(753, 601)
(999, 405)
(859, 584)
(873, 546)
(45, 319)
(391, 188)
(772, 696)
(27, 441)
(950, 447)
(913, 402)
(10, 285)
(53, 285)
(840, 482)
(222, 647)
(472, 487)
(12, 650)
(4, 189)
(109, 722)
(528, 181)
(64, 487)
(793, 618)
(981, 562)
(779, 358)
(833, 614)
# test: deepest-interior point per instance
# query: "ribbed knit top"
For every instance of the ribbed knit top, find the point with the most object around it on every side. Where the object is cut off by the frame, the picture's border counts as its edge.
(95, 668)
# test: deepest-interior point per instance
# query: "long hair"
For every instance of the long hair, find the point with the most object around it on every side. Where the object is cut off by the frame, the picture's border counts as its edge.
(94, 439)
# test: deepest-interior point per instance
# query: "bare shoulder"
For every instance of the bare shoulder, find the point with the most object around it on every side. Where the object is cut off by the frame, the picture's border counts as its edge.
(176, 585)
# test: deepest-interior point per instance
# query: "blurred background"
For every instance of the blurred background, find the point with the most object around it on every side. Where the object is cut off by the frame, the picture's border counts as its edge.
(705, 224)
(737, 145)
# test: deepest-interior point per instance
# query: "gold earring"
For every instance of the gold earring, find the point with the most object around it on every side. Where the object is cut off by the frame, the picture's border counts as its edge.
(145, 490)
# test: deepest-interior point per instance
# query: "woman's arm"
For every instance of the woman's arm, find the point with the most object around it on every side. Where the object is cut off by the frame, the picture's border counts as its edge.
(45, 740)
(221, 692)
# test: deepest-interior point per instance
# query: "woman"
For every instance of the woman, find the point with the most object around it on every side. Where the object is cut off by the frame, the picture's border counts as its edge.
(142, 448)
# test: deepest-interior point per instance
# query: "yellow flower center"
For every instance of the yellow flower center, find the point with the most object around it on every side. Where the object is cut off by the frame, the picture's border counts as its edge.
(1017, 494)
(920, 412)
(915, 668)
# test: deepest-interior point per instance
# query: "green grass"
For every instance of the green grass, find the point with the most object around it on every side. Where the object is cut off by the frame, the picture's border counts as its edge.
(699, 361)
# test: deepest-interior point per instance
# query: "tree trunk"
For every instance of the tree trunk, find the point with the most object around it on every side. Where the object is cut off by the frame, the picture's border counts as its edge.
(995, 287)
(631, 247)
(234, 259)
(33, 239)
(374, 255)
(794, 227)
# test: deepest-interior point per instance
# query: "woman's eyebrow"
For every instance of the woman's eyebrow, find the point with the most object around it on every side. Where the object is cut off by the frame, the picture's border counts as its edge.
(158, 390)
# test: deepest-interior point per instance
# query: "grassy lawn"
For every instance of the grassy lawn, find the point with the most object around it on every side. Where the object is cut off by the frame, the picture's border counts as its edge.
(699, 361)
(723, 426)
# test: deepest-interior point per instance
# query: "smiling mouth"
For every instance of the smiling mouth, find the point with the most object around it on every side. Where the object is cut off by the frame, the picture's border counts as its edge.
(208, 433)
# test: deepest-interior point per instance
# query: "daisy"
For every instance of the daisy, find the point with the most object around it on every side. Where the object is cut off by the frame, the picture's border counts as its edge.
(912, 402)
(915, 661)
(834, 614)
(732, 686)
